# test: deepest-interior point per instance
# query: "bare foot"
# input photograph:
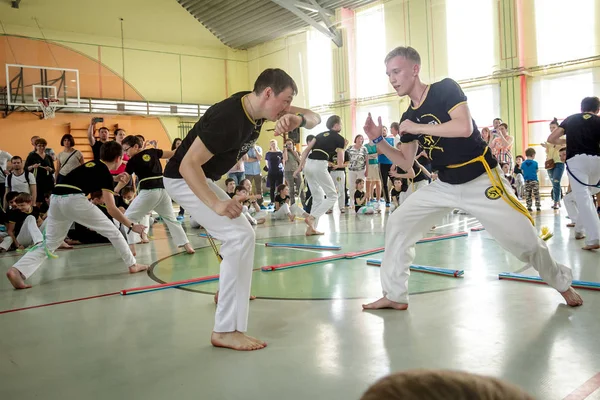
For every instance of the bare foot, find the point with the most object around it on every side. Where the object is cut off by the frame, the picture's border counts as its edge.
(235, 340)
(189, 249)
(579, 236)
(385, 303)
(216, 298)
(311, 232)
(591, 247)
(137, 268)
(132, 248)
(65, 246)
(17, 279)
(572, 298)
(570, 225)
(255, 340)
(292, 217)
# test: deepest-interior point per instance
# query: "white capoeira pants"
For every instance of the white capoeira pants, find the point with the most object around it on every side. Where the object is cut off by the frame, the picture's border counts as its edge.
(352, 177)
(159, 201)
(339, 180)
(587, 170)
(28, 235)
(412, 187)
(64, 210)
(321, 185)
(237, 249)
(282, 213)
(511, 229)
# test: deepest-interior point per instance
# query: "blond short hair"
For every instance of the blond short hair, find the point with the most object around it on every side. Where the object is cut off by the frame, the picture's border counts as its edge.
(407, 52)
(442, 385)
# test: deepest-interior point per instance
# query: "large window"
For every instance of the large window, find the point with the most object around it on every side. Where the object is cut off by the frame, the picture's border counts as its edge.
(370, 53)
(376, 110)
(470, 38)
(565, 30)
(317, 129)
(320, 69)
(484, 103)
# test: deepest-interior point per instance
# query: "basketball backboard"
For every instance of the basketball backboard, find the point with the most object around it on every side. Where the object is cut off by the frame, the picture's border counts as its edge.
(26, 84)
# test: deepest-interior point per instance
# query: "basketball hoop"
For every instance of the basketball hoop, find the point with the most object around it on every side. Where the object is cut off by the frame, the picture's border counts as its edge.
(48, 107)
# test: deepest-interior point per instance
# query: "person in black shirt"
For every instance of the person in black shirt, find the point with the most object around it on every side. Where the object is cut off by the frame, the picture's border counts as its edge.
(102, 137)
(216, 143)
(145, 164)
(69, 204)
(23, 224)
(321, 149)
(282, 203)
(583, 164)
(518, 174)
(439, 119)
(360, 199)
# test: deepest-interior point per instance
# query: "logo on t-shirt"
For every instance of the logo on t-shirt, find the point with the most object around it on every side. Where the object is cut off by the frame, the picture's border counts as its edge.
(146, 157)
(245, 148)
(587, 116)
(90, 164)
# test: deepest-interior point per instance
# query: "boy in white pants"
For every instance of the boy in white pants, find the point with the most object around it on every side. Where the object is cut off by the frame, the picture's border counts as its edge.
(439, 118)
(69, 204)
(282, 204)
(23, 224)
(216, 143)
(145, 164)
(583, 164)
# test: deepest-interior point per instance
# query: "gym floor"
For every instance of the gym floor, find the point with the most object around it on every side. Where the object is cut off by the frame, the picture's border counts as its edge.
(320, 343)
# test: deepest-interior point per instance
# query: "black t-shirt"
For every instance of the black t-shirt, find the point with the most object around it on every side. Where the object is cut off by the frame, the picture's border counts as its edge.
(404, 186)
(87, 178)
(230, 195)
(396, 194)
(120, 202)
(96, 149)
(419, 175)
(326, 145)
(583, 134)
(44, 208)
(281, 200)
(146, 164)
(18, 217)
(517, 170)
(442, 98)
(227, 132)
(358, 195)
(333, 159)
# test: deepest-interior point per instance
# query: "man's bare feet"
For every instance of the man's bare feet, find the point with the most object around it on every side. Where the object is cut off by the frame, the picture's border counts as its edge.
(236, 341)
(132, 248)
(189, 249)
(572, 298)
(579, 236)
(65, 246)
(135, 268)
(312, 232)
(216, 298)
(570, 225)
(385, 303)
(591, 247)
(291, 217)
(17, 279)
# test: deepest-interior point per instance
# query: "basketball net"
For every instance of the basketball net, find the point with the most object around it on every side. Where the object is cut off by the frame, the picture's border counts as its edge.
(48, 107)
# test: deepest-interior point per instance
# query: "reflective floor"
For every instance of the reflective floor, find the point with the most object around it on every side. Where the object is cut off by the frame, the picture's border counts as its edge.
(321, 345)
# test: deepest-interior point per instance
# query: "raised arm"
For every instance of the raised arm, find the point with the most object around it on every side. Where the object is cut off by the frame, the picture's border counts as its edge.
(304, 156)
(404, 159)
(90, 132)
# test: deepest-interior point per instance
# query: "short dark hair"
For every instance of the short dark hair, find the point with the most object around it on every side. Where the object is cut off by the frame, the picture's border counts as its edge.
(103, 127)
(16, 158)
(175, 142)
(498, 119)
(519, 156)
(143, 139)
(132, 140)
(10, 196)
(562, 149)
(119, 129)
(127, 190)
(68, 137)
(530, 152)
(395, 126)
(503, 164)
(407, 52)
(331, 121)
(357, 136)
(110, 151)
(23, 198)
(359, 180)
(41, 141)
(504, 124)
(281, 187)
(240, 187)
(309, 138)
(275, 78)
(590, 104)
(229, 180)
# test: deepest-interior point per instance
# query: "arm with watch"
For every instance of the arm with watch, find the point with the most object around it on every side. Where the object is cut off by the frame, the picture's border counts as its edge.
(114, 212)
(297, 118)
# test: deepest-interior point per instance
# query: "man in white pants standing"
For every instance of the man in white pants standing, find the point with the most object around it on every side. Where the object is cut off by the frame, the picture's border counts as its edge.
(69, 204)
(469, 178)
(321, 149)
(145, 164)
(583, 164)
(219, 139)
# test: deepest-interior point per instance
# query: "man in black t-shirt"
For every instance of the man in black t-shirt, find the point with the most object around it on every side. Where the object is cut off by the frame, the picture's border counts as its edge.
(69, 204)
(102, 138)
(145, 164)
(314, 162)
(439, 119)
(216, 143)
(583, 165)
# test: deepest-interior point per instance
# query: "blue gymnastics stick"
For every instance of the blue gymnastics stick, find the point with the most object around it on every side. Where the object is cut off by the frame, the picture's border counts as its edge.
(426, 269)
(303, 246)
(536, 279)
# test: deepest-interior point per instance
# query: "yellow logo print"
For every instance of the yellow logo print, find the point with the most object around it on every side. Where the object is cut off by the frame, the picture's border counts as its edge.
(146, 157)
(90, 164)
(587, 116)
(493, 192)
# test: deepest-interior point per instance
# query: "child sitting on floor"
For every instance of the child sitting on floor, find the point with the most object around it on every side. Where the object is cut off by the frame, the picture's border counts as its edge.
(360, 199)
(282, 204)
